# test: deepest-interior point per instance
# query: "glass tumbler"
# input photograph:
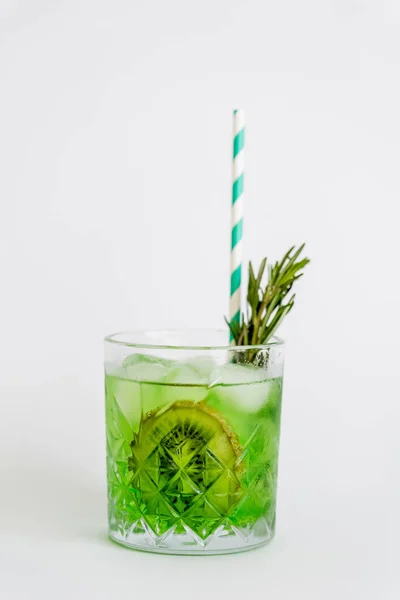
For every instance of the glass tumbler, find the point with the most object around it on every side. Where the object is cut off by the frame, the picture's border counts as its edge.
(192, 427)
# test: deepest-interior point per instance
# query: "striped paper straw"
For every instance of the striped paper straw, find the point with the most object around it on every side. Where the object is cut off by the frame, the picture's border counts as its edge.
(237, 215)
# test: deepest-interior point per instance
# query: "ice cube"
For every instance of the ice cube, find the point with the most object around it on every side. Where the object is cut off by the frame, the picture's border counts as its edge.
(204, 367)
(243, 387)
(233, 374)
(191, 373)
(184, 382)
(145, 368)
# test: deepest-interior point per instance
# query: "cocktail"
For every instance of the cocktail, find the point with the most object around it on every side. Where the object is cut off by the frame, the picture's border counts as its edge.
(193, 417)
(192, 441)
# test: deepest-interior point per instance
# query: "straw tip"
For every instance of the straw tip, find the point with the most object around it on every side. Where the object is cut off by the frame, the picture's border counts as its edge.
(238, 120)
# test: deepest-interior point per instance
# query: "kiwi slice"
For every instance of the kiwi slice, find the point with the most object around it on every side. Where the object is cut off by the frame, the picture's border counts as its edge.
(186, 457)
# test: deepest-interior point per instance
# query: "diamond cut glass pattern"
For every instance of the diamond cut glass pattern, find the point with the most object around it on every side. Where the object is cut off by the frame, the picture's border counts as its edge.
(191, 468)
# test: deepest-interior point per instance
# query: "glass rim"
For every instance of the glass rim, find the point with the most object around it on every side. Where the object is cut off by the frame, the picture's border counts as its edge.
(115, 338)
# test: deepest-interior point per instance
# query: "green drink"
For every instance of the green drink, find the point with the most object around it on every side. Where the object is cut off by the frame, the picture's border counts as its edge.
(192, 444)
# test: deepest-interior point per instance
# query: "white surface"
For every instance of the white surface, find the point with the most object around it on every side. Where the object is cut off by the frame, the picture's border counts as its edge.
(115, 144)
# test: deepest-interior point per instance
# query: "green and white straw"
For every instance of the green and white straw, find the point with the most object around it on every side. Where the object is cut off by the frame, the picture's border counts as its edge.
(237, 215)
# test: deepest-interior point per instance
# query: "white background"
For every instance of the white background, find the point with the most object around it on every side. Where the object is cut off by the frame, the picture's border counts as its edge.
(115, 146)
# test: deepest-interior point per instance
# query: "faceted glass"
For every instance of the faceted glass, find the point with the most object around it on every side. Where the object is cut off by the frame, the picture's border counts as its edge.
(192, 427)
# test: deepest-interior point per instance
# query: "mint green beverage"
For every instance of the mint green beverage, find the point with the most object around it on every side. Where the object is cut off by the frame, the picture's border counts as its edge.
(192, 443)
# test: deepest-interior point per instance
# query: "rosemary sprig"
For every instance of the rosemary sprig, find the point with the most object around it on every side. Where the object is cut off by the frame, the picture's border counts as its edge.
(268, 304)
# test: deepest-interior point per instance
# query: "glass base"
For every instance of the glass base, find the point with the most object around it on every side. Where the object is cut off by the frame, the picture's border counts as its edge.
(227, 539)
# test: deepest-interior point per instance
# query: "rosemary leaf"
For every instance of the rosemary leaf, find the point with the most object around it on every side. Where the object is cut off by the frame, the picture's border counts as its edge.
(266, 302)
